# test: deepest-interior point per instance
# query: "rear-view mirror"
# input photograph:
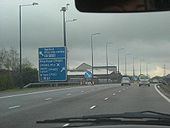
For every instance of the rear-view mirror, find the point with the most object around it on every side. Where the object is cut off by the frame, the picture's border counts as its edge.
(122, 6)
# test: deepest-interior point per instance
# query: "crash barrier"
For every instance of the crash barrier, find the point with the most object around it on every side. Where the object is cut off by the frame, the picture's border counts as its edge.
(50, 84)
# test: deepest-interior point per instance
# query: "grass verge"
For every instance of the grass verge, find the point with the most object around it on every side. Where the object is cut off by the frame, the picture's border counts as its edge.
(165, 89)
(37, 88)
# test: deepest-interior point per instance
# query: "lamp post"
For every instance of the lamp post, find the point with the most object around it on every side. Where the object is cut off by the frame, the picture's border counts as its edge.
(68, 21)
(126, 62)
(141, 60)
(133, 66)
(64, 9)
(20, 36)
(119, 49)
(147, 74)
(140, 68)
(92, 54)
(107, 60)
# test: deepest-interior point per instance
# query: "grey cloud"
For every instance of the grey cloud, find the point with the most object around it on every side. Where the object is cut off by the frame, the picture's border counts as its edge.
(143, 35)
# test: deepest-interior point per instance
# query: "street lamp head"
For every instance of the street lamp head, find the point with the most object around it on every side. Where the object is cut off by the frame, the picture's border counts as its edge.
(63, 9)
(34, 3)
(71, 20)
(95, 34)
(120, 49)
(74, 19)
(67, 6)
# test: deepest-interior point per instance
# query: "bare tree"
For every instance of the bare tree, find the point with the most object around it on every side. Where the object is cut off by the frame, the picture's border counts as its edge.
(2, 57)
(26, 63)
(9, 59)
(6, 62)
(14, 59)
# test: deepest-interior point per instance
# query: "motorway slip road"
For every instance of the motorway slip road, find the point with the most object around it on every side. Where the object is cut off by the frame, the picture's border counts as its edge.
(23, 110)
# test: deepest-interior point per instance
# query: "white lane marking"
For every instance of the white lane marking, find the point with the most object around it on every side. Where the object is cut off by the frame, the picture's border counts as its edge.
(106, 98)
(66, 125)
(113, 94)
(48, 99)
(69, 94)
(92, 107)
(12, 107)
(165, 97)
(119, 90)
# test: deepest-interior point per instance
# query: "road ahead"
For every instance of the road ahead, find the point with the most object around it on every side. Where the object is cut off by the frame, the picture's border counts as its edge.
(23, 110)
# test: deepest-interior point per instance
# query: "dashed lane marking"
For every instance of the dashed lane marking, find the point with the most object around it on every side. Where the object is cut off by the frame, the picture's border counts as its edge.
(66, 125)
(48, 99)
(13, 107)
(92, 107)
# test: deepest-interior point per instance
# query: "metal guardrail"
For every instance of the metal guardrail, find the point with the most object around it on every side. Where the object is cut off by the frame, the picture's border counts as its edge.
(50, 84)
(39, 84)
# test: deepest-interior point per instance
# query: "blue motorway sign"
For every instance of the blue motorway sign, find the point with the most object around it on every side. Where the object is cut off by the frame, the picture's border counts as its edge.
(88, 74)
(52, 64)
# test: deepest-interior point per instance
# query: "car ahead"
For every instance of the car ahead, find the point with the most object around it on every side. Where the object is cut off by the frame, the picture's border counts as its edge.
(144, 80)
(155, 81)
(125, 81)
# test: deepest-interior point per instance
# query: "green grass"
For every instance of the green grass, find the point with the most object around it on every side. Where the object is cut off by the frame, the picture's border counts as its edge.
(16, 89)
(166, 90)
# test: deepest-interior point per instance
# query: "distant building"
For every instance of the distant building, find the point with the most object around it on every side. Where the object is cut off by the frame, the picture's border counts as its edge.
(83, 67)
(100, 73)
(96, 69)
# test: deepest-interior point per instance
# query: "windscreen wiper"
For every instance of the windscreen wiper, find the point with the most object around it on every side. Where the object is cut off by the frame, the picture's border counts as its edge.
(128, 118)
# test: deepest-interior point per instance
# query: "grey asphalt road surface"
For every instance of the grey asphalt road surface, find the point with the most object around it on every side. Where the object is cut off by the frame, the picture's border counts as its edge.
(23, 110)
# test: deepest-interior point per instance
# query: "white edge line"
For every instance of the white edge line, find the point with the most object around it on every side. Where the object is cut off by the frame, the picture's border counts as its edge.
(12, 107)
(26, 94)
(39, 92)
(165, 97)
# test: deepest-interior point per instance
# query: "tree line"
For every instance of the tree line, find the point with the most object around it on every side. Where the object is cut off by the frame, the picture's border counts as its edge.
(10, 76)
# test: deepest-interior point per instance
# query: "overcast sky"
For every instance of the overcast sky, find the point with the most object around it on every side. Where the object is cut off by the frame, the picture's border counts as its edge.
(145, 36)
